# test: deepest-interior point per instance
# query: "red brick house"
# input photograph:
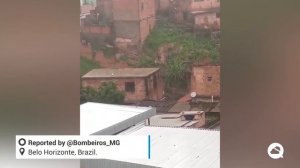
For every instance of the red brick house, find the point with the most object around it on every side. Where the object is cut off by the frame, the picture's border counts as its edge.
(137, 83)
(205, 80)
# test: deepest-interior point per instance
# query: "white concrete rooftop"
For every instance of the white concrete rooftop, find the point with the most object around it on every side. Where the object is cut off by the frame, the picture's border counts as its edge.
(107, 119)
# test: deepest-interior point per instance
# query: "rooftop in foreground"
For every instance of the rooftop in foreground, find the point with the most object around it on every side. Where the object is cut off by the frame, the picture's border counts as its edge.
(120, 73)
(174, 148)
(107, 119)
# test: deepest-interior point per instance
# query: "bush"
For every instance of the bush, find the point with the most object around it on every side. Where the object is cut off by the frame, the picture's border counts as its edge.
(106, 93)
(146, 62)
(175, 72)
(88, 94)
(108, 52)
(109, 93)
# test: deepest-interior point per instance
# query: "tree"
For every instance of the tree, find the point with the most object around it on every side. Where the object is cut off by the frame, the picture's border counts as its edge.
(88, 94)
(106, 93)
(109, 93)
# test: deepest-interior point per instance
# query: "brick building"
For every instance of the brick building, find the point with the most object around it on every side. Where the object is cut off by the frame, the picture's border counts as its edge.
(133, 20)
(94, 27)
(124, 23)
(137, 83)
(104, 8)
(207, 19)
(205, 80)
(183, 8)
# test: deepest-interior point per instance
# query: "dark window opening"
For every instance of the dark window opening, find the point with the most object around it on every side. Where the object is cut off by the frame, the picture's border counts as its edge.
(209, 78)
(218, 14)
(129, 86)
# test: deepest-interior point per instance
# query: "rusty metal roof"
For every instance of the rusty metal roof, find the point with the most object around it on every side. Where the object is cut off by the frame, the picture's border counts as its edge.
(120, 73)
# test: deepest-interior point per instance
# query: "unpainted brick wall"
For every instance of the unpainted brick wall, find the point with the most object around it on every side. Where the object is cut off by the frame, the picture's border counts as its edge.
(200, 83)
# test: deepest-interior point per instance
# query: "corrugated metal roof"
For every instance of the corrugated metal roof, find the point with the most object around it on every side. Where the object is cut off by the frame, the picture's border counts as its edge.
(107, 119)
(179, 147)
(120, 73)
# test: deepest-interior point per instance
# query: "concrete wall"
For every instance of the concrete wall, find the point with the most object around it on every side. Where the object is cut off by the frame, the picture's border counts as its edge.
(146, 27)
(127, 30)
(126, 10)
(134, 19)
(207, 20)
(99, 30)
(146, 9)
(105, 7)
(147, 18)
(200, 83)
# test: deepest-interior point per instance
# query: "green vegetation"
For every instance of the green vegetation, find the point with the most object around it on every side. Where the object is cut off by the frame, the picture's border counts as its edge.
(188, 48)
(124, 58)
(175, 72)
(191, 47)
(96, 44)
(106, 93)
(108, 51)
(87, 65)
(146, 62)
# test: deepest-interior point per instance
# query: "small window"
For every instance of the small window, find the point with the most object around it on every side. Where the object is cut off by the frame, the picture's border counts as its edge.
(129, 86)
(209, 78)
(218, 14)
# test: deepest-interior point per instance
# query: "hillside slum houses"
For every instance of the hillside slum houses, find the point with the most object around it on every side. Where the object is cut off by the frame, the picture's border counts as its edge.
(145, 87)
(197, 10)
(124, 24)
(203, 16)
(185, 131)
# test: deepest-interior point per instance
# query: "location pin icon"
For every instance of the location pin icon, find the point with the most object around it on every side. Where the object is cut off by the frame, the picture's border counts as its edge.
(22, 150)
